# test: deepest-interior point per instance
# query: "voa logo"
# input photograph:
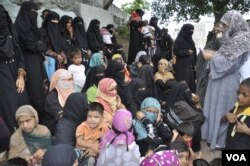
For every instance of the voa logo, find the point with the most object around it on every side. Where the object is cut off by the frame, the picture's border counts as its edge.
(236, 157)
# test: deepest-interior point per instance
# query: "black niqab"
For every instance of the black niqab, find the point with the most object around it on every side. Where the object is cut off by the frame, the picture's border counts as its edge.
(80, 34)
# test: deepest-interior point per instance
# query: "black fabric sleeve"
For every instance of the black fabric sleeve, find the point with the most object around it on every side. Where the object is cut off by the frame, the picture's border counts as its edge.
(181, 52)
(164, 132)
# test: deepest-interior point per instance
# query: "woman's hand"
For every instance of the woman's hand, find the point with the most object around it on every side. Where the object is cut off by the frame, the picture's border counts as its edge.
(208, 54)
(140, 115)
(20, 83)
(38, 155)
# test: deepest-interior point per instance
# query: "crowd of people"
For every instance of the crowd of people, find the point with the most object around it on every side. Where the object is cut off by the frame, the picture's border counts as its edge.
(72, 97)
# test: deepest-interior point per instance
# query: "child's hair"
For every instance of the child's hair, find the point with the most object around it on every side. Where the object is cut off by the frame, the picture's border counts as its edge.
(180, 146)
(145, 22)
(17, 161)
(95, 106)
(216, 162)
(200, 162)
(246, 82)
(185, 128)
(73, 51)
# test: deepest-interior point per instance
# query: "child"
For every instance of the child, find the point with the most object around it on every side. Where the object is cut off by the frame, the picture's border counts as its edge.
(186, 131)
(150, 140)
(77, 69)
(90, 131)
(118, 146)
(238, 134)
(30, 140)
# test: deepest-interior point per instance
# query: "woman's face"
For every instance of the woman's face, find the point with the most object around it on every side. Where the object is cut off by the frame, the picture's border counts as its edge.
(223, 27)
(161, 66)
(112, 89)
(69, 24)
(26, 123)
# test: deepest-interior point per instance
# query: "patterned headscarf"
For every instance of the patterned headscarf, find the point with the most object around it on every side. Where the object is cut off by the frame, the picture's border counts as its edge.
(120, 133)
(163, 158)
(150, 102)
(108, 100)
(62, 81)
(238, 40)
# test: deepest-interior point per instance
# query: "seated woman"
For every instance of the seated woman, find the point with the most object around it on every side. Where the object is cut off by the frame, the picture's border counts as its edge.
(162, 76)
(30, 140)
(94, 75)
(107, 95)
(74, 113)
(150, 138)
(60, 88)
(119, 143)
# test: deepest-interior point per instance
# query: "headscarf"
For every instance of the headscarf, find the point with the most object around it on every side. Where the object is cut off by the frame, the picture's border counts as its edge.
(118, 49)
(120, 133)
(94, 75)
(74, 113)
(38, 138)
(151, 116)
(179, 92)
(109, 101)
(62, 81)
(26, 25)
(238, 41)
(164, 75)
(8, 37)
(184, 39)
(94, 36)
(163, 158)
(53, 31)
(63, 22)
(63, 155)
(115, 70)
(144, 59)
(96, 60)
(146, 73)
(80, 34)
(139, 54)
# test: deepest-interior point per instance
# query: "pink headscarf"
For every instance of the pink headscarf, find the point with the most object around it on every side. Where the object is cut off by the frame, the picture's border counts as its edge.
(163, 158)
(120, 133)
(62, 81)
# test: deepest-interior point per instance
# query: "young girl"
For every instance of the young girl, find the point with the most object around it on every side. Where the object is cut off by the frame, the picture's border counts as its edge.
(238, 134)
(77, 69)
(118, 145)
(146, 139)
(30, 140)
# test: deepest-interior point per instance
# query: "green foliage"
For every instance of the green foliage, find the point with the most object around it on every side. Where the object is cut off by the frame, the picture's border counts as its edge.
(183, 10)
(123, 31)
(136, 4)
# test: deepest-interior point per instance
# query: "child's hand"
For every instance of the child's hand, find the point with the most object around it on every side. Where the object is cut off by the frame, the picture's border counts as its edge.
(88, 152)
(140, 115)
(175, 135)
(95, 147)
(38, 155)
(232, 118)
(241, 127)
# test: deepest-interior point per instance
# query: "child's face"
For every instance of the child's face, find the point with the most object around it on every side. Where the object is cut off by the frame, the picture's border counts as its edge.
(244, 96)
(183, 158)
(26, 123)
(186, 138)
(94, 118)
(77, 59)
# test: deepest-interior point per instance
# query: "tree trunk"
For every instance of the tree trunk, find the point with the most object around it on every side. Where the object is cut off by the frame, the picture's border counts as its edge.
(107, 4)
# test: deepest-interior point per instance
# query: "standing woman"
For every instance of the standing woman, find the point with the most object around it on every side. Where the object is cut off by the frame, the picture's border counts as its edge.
(185, 51)
(33, 47)
(94, 36)
(224, 76)
(80, 40)
(12, 74)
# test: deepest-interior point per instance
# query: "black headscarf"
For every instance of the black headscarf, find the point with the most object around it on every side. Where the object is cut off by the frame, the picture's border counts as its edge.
(63, 155)
(146, 73)
(74, 113)
(179, 92)
(118, 49)
(53, 31)
(94, 75)
(26, 25)
(80, 34)
(115, 70)
(94, 36)
(135, 91)
(63, 22)
(184, 39)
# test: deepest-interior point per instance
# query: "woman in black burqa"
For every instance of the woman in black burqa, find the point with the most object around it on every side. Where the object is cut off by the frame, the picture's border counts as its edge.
(185, 51)
(33, 47)
(94, 36)
(12, 76)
